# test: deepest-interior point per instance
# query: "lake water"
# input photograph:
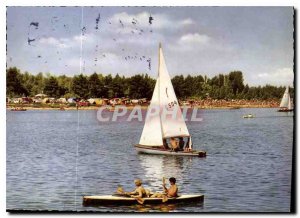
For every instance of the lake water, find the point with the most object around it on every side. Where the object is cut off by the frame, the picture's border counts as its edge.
(247, 168)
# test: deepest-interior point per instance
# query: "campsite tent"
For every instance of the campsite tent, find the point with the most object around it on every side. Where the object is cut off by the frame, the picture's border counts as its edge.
(41, 95)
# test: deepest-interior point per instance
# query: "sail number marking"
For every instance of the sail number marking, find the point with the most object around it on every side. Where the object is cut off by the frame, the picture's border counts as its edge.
(172, 104)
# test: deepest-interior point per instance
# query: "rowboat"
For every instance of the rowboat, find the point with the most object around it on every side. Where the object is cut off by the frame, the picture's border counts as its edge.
(117, 200)
(286, 103)
(167, 123)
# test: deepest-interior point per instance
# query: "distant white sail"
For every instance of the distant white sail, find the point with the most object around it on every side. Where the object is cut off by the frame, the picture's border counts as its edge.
(171, 125)
(285, 99)
(290, 103)
(152, 133)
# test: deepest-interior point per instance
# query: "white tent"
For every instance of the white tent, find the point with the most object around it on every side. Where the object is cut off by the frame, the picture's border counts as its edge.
(41, 95)
(71, 100)
(62, 100)
(91, 100)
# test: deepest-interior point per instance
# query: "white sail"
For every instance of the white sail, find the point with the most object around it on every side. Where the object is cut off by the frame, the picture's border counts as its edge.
(171, 125)
(152, 134)
(285, 99)
(290, 103)
(169, 122)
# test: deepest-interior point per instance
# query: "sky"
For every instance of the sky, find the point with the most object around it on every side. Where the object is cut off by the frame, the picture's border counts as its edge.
(196, 40)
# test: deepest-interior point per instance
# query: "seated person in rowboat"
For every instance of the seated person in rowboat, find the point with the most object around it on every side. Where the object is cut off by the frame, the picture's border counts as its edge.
(174, 144)
(170, 193)
(139, 191)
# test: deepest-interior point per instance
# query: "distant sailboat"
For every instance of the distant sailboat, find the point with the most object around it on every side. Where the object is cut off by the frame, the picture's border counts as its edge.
(286, 103)
(158, 129)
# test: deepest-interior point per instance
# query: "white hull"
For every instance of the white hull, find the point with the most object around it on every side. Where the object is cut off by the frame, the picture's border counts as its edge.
(168, 152)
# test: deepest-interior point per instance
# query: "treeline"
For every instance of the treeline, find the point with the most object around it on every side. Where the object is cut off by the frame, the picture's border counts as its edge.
(229, 86)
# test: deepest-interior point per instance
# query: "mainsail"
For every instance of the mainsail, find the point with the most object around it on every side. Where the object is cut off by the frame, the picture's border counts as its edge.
(290, 103)
(285, 99)
(169, 122)
(171, 125)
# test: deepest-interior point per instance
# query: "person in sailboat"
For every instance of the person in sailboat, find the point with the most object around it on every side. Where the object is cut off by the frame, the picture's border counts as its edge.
(181, 143)
(187, 145)
(171, 192)
(165, 144)
(174, 144)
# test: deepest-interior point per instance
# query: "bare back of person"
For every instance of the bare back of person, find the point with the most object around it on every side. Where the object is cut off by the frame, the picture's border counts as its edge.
(138, 192)
(172, 191)
(174, 144)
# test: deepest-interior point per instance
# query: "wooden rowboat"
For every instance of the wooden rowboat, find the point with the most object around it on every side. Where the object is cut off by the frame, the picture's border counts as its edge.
(116, 200)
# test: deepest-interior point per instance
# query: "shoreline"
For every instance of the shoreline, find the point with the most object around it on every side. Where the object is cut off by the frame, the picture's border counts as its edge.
(233, 107)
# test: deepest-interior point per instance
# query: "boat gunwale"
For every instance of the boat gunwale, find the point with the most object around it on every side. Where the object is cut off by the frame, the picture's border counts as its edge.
(113, 200)
(195, 153)
(162, 148)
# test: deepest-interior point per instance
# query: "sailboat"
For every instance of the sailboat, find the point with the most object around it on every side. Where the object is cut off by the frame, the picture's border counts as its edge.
(286, 103)
(159, 128)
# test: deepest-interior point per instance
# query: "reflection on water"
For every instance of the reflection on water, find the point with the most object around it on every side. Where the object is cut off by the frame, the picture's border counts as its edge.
(179, 207)
(158, 166)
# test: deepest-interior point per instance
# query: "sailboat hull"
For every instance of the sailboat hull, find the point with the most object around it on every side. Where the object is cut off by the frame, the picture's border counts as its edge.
(161, 151)
(285, 110)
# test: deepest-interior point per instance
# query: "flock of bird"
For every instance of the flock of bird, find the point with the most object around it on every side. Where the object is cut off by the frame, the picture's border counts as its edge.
(134, 26)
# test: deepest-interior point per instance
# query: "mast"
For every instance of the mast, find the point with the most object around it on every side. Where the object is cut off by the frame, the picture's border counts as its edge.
(159, 54)
(159, 57)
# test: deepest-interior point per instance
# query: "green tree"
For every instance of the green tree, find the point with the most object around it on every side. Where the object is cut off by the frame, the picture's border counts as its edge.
(14, 85)
(38, 84)
(95, 86)
(107, 90)
(141, 86)
(64, 83)
(80, 86)
(51, 87)
(118, 86)
(179, 86)
(236, 81)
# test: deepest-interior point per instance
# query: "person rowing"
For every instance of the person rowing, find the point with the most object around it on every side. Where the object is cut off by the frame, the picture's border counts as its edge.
(139, 191)
(168, 193)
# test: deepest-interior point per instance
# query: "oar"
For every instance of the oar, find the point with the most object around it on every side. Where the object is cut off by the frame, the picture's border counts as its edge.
(121, 191)
(164, 197)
